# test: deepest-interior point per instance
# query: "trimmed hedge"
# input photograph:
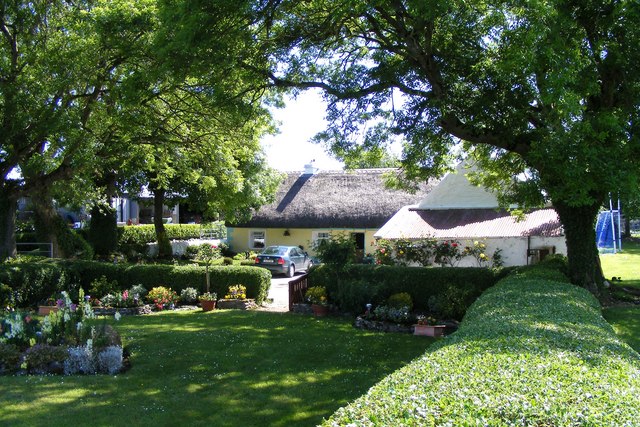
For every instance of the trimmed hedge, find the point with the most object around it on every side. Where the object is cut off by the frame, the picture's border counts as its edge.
(530, 351)
(356, 285)
(141, 235)
(35, 282)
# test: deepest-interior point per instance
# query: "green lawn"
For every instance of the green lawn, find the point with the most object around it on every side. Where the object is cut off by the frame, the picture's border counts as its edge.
(626, 265)
(224, 368)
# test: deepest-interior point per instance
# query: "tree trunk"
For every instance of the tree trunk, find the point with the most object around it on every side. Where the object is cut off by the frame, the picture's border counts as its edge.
(47, 224)
(8, 208)
(627, 227)
(164, 246)
(582, 251)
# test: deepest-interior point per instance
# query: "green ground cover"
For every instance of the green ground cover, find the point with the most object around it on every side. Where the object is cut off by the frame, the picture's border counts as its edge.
(531, 351)
(224, 368)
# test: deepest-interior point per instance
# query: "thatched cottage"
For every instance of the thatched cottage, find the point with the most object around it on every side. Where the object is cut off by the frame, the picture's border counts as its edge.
(457, 210)
(313, 205)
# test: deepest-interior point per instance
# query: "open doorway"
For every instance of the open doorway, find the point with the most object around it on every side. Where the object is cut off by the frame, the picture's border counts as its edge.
(359, 239)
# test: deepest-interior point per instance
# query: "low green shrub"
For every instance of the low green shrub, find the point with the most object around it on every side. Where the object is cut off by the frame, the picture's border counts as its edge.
(138, 236)
(357, 285)
(400, 300)
(530, 351)
(32, 283)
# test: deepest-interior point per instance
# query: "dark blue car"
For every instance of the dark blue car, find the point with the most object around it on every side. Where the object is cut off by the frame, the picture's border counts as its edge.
(284, 260)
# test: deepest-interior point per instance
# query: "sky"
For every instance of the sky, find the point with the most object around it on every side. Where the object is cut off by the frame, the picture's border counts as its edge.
(300, 120)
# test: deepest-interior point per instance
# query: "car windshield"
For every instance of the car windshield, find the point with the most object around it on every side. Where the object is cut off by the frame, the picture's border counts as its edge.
(275, 250)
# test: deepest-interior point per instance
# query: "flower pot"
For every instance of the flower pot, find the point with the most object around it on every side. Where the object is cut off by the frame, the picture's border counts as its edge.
(429, 330)
(319, 310)
(44, 310)
(208, 305)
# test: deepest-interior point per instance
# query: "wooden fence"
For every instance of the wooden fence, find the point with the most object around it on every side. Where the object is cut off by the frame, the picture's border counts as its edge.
(297, 288)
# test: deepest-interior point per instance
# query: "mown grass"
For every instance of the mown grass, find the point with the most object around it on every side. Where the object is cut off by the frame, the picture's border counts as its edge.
(224, 368)
(626, 265)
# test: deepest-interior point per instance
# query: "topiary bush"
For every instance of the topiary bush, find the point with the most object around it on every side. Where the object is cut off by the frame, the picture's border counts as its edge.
(530, 352)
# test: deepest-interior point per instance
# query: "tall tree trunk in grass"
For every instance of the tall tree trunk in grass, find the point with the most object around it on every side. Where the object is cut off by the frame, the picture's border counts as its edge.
(582, 251)
(164, 245)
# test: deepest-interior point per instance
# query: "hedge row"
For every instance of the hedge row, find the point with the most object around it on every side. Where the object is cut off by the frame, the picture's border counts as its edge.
(140, 235)
(532, 351)
(357, 285)
(31, 283)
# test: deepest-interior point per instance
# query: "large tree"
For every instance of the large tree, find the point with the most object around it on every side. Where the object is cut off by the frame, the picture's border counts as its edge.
(547, 91)
(58, 59)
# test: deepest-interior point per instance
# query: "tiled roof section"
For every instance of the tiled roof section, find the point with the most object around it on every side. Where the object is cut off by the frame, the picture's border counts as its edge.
(334, 199)
(413, 223)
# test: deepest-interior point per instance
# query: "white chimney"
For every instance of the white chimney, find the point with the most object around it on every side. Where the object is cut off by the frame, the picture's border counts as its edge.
(309, 169)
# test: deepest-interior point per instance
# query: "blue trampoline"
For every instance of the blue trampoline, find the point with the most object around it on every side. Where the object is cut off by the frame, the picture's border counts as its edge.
(608, 235)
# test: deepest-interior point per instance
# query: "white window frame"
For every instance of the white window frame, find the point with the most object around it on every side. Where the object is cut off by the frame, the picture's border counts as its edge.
(317, 235)
(253, 238)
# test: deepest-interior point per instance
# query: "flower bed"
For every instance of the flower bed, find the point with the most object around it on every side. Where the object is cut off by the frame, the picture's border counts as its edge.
(63, 343)
(531, 351)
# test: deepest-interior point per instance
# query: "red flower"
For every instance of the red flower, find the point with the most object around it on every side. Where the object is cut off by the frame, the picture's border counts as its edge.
(455, 245)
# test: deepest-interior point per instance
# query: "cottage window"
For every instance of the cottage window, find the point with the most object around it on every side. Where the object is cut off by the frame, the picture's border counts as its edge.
(257, 239)
(321, 235)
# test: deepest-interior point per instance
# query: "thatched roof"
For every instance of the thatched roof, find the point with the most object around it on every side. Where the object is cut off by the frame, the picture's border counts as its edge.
(414, 223)
(333, 199)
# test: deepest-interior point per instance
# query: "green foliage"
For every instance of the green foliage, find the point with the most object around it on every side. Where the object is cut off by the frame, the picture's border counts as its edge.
(339, 250)
(399, 300)
(388, 313)
(101, 286)
(136, 237)
(35, 282)
(39, 357)
(529, 338)
(359, 285)
(103, 230)
(32, 283)
(10, 358)
(207, 253)
(317, 295)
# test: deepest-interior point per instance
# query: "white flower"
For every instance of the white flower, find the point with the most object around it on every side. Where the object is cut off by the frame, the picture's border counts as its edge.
(117, 316)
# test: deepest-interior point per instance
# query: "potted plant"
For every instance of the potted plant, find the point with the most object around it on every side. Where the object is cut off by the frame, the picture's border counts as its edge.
(317, 296)
(236, 298)
(207, 253)
(208, 301)
(427, 326)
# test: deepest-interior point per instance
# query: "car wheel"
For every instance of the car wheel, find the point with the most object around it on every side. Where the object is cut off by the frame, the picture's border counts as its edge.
(291, 271)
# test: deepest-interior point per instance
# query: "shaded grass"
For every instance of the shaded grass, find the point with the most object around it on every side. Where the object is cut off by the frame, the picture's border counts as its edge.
(626, 265)
(626, 323)
(224, 368)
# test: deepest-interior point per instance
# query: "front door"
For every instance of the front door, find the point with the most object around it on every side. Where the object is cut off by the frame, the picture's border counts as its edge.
(359, 240)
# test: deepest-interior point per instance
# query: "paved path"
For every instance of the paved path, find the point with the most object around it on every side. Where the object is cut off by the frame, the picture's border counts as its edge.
(279, 292)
